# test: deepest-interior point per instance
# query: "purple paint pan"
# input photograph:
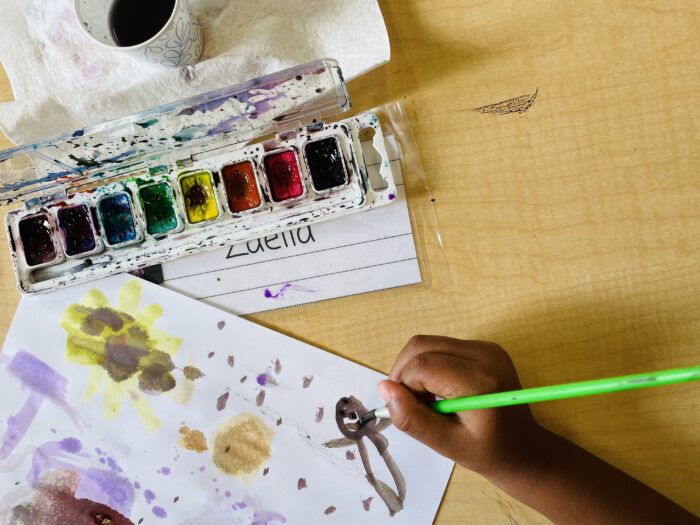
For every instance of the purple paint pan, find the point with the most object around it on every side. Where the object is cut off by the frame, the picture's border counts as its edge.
(78, 232)
(37, 235)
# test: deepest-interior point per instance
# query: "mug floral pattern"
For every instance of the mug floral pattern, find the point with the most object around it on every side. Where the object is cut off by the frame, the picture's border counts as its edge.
(181, 45)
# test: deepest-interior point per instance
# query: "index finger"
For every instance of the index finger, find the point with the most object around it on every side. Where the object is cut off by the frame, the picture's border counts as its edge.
(419, 344)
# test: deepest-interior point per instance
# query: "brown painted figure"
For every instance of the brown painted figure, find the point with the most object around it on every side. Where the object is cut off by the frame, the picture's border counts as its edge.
(351, 409)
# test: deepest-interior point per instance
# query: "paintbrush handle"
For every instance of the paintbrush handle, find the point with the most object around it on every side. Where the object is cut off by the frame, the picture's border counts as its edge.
(567, 391)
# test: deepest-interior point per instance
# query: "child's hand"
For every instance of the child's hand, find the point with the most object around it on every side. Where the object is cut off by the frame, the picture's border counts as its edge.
(487, 441)
(564, 482)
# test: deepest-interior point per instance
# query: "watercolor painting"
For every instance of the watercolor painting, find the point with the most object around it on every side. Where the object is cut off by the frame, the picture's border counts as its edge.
(135, 405)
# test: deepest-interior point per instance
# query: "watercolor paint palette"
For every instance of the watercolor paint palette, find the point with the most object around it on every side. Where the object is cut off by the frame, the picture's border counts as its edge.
(213, 170)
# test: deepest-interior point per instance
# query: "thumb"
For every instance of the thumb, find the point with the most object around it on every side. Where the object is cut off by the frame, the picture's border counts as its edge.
(417, 419)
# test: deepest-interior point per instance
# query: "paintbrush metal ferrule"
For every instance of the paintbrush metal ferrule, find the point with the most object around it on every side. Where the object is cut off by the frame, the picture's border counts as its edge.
(377, 413)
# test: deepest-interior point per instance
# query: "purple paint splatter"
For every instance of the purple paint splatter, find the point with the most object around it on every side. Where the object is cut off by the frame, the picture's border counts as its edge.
(267, 518)
(349, 455)
(220, 325)
(307, 381)
(101, 486)
(366, 503)
(43, 383)
(149, 496)
(288, 287)
(392, 197)
(160, 512)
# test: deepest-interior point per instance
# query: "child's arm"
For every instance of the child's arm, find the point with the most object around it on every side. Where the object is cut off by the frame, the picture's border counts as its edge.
(506, 445)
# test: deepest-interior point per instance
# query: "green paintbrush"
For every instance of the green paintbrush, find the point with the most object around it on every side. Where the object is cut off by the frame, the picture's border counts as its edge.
(554, 392)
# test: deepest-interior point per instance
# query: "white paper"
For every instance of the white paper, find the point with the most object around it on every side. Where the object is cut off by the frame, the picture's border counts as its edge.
(79, 434)
(62, 81)
(361, 253)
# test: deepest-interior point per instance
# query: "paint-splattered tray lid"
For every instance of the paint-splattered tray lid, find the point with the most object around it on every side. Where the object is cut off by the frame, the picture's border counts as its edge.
(175, 132)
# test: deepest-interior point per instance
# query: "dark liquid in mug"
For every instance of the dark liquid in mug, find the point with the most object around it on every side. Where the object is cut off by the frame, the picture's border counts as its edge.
(134, 21)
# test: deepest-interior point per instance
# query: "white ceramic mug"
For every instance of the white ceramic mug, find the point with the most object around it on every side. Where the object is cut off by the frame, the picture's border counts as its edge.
(178, 43)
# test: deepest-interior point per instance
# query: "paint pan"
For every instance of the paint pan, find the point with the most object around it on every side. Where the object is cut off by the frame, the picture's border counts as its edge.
(224, 167)
(199, 196)
(283, 175)
(36, 234)
(116, 213)
(158, 203)
(326, 165)
(78, 231)
(241, 185)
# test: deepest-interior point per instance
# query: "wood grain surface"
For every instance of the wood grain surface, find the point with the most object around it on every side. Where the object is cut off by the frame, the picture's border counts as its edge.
(570, 228)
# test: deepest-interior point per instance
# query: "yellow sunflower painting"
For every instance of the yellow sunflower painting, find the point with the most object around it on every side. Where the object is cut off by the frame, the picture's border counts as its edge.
(123, 350)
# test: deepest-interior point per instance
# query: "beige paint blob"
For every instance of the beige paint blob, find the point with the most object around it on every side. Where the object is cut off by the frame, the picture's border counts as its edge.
(242, 445)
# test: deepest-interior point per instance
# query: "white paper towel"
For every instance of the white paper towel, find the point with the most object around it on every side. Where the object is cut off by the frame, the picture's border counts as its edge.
(62, 81)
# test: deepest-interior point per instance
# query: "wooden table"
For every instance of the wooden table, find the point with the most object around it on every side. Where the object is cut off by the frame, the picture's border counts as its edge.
(570, 232)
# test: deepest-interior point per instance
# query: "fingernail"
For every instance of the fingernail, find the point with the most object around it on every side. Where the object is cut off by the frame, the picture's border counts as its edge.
(385, 392)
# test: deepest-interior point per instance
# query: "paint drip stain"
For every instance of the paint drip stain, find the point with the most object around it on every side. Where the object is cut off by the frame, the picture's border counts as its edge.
(193, 440)
(307, 382)
(319, 414)
(221, 401)
(54, 502)
(301, 484)
(242, 445)
(330, 510)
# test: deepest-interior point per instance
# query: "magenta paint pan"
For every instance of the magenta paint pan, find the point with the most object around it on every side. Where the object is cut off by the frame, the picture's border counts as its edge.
(37, 235)
(284, 175)
(78, 233)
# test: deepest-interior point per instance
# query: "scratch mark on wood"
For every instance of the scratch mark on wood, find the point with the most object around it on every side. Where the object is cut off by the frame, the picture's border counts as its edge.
(513, 105)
